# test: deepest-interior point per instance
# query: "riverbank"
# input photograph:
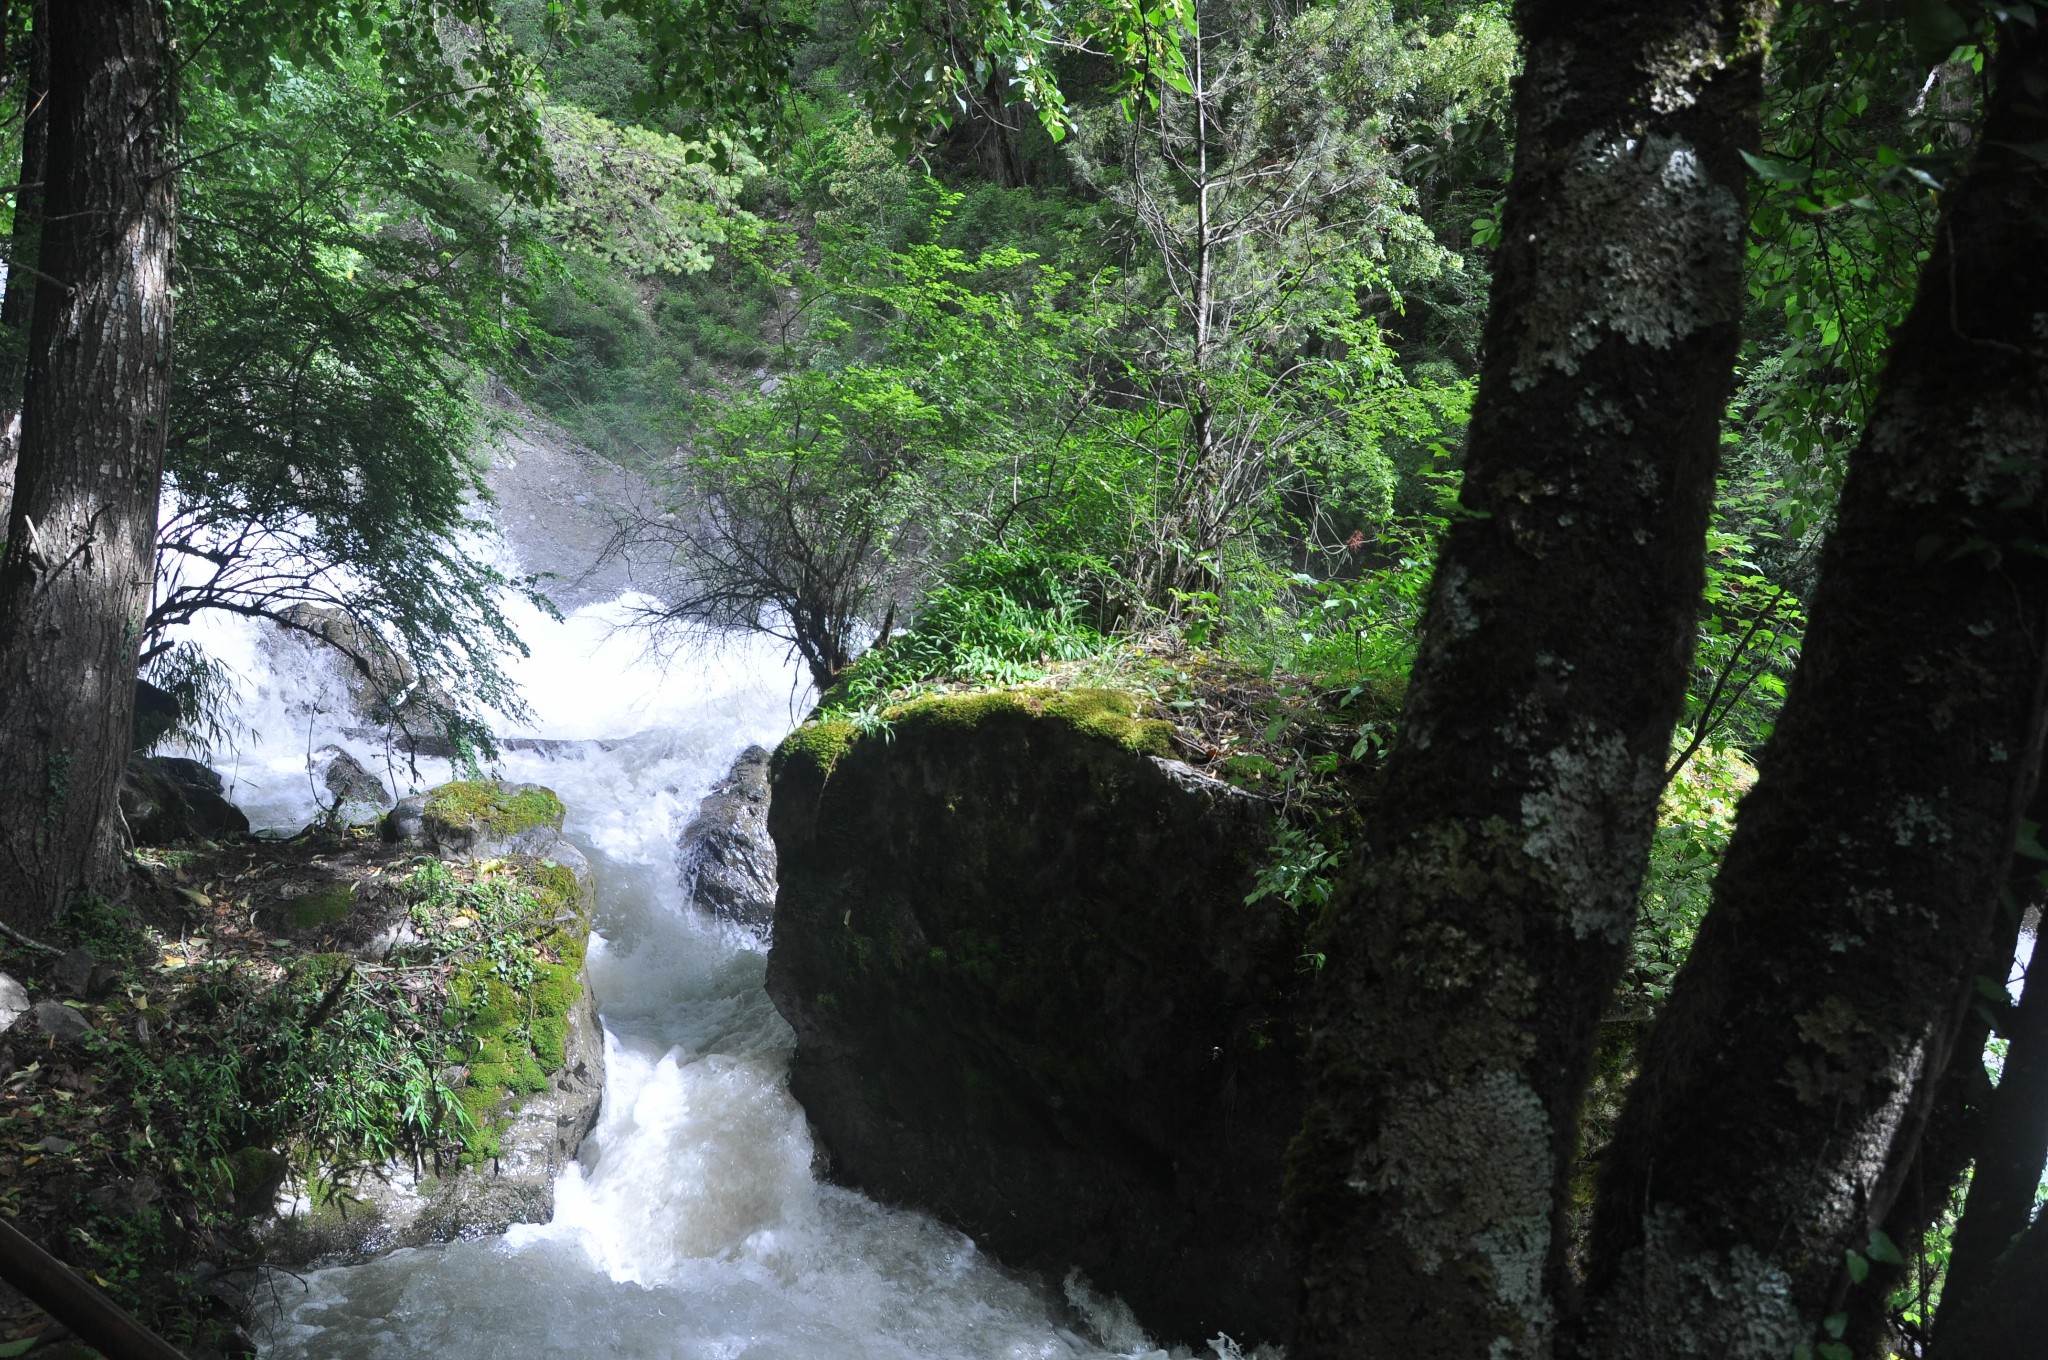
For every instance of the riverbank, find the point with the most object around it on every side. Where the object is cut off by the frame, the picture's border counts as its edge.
(232, 1068)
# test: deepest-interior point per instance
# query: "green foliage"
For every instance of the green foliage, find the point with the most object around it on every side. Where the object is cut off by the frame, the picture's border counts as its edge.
(999, 616)
(1695, 820)
(344, 288)
(439, 64)
(1750, 625)
(635, 199)
(1859, 137)
(349, 1090)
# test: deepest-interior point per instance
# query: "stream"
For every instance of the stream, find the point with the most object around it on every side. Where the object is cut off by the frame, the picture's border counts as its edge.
(694, 1227)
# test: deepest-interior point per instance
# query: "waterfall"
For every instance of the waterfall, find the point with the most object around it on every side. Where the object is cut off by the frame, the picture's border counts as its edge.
(695, 1225)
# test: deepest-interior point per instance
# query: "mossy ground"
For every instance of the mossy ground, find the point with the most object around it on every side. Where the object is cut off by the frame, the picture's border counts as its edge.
(242, 1024)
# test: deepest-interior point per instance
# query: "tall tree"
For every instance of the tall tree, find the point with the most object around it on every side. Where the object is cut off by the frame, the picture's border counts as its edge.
(32, 83)
(1470, 958)
(2011, 1151)
(1783, 1092)
(81, 538)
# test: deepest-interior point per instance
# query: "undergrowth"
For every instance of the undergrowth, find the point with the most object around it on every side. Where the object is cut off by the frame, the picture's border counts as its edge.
(235, 1048)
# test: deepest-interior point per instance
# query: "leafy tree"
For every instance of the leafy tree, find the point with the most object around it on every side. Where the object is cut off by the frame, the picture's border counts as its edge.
(920, 411)
(1265, 219)
(345, 290)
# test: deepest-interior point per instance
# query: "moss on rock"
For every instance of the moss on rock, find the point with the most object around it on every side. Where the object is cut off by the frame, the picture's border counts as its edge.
(1030, 995)
(1114, 715)
(510, 1009)
(472, 812)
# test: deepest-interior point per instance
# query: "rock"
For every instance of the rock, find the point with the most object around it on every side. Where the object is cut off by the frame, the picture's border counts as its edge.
(407, 819)
(127, 1195)
(13, 1002)
(488, 819)
(1029, 996)
(62, 1023)
(356, 796)
(170, 798)
(411, 1206)
(79, 973)
(157, 711)
(255, 1174)
(383, 687)
(726, 853)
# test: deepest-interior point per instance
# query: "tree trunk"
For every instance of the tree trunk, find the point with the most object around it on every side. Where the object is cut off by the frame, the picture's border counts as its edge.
(2009, 1316)
(17, 306)
(1926, 1187)
(81, 539)
(1472, 953)
(2011, 1151)
(1784, 1089)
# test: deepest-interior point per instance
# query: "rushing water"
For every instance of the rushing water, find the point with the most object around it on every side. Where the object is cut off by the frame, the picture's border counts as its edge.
(694, 1227)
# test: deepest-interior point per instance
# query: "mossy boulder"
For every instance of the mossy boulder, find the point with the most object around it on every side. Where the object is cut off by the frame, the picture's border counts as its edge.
(1030, 998)
(526, 1057)
(488, 818)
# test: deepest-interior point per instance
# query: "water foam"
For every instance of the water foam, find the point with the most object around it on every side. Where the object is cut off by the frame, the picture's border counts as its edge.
(694, 1227)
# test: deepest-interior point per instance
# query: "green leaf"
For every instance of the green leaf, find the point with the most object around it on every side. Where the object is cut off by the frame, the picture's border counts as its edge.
(1859, 1266)
(1834, 1324)
(1882, 1248)
(20, 1347)
(1835, 1350)
(1773, 170)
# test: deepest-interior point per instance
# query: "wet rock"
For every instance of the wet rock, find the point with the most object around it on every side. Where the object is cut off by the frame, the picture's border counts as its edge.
(405, 1205)
(255, 1175)
(13, 1002)
(61, 1023)
(1030, 998)
(169, 798)
(127, 1196)
(356, 796)
(383, 688)
(726, 853)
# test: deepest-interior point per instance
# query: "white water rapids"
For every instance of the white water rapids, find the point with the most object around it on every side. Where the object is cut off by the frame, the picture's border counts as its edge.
(694, 1227)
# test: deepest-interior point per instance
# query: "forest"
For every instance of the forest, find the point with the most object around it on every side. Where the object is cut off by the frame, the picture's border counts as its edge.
(1582, 467)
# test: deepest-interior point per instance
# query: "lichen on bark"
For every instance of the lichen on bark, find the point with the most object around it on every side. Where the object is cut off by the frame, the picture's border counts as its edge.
(1472, 951)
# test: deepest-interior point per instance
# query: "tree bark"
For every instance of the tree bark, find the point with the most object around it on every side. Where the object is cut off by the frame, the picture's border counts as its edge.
(1926, 1185)
(2011, 1152)
(80, 552)
(2009, 1316)
(1472, 952)
(17, 305)
(1785, 1087)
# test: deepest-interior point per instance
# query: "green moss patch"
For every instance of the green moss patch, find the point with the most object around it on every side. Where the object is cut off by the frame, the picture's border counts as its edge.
(321, 907)
(516, 933)
(487, 807)
(818, 743)
(1114, 715)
